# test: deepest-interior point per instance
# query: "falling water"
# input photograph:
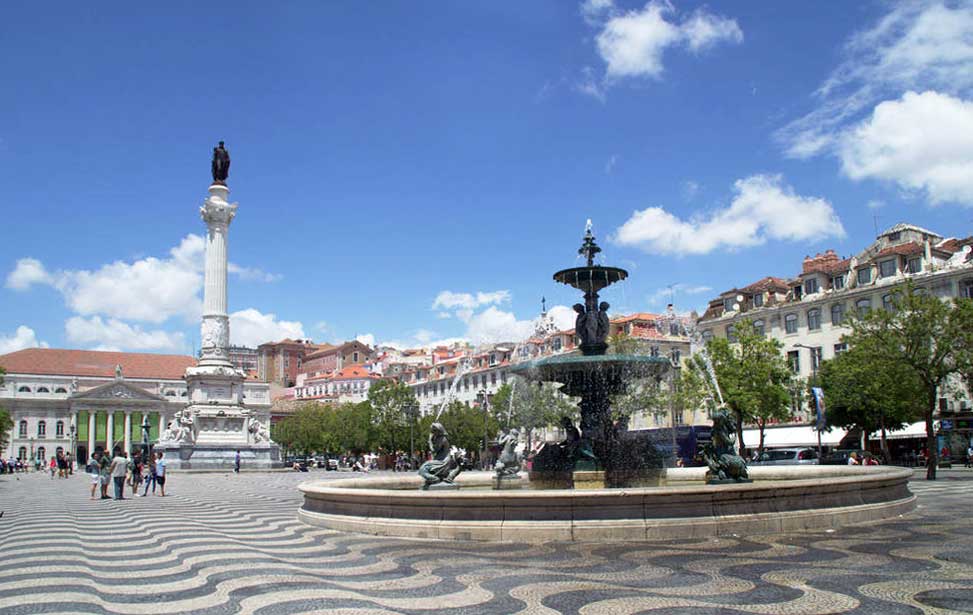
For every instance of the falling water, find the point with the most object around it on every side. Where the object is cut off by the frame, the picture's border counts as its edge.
(462, 367)
(696, 345)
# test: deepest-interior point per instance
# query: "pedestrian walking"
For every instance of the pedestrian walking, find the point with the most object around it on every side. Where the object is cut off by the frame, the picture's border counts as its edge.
(70, 462)
(160, 473)
(969, 455)
(119, 466)
(149, 470)
(236, 463)
(93, 469)
(104, 466)
(135, 472)
(53, 467)
(62, 466)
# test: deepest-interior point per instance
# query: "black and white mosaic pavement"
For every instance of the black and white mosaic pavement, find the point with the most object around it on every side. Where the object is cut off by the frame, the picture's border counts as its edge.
(232, 544)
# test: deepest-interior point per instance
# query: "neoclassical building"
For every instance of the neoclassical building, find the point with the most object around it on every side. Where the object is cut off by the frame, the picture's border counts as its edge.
(85, 400)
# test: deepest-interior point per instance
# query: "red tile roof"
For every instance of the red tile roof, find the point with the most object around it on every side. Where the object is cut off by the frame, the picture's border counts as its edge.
(60, 362)
(903, 249)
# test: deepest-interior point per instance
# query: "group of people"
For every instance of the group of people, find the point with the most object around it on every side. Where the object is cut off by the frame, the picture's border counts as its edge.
(61, 465)
(11, 465)
(122, 470)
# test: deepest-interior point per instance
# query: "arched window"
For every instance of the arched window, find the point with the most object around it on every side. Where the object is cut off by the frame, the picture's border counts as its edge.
(59, 429)
(41, 453)
(758, 325)
(837, 314)
(170, 393)
(814, 319)
(59, 451)
(22, 453)
(790, 323)
(41, 429)
(60, 390)
(863, 306)
(43, 390)
(731, 333)
(888, 302)
(24, 389)
(23, 429)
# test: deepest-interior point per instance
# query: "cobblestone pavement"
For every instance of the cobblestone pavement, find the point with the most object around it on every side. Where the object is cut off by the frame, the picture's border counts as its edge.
(232, 544)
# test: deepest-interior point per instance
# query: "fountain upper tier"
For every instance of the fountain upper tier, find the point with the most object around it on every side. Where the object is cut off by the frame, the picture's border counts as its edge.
(591, 278)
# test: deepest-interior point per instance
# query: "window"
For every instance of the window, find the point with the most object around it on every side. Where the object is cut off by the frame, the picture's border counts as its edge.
(816, 355)
(59, 429)
(557, 343)
(838, 282)
(886, 269)
(966, 288)
(810, 286)
(758, 325)
(863, 306)
(798, 292)
(728, 304)
(731, 333)
(794, 359)
(839, 348)
(758, 300)
(888, 302)
(23, 390)
(707, 336)
(676, 355)
(493, 377)
(914, 265)
(790, 323)
(23, 429)
(673, 328)
(22, 453)
(654, 351)
(865, 275)
(837, 314)
(41, 429)
(43, 390)
(41, 453)
(60, 390)
(354, 357)
(894, 236)
(493, 358)
(814, 319)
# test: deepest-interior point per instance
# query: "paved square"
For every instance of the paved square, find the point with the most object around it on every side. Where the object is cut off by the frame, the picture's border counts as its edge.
(232, 544)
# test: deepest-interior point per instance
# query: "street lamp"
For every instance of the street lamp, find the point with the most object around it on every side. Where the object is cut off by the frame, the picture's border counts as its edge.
(486, 405)
(815, 363)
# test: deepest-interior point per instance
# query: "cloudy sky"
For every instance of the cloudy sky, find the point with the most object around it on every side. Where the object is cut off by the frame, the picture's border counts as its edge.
(416, 171)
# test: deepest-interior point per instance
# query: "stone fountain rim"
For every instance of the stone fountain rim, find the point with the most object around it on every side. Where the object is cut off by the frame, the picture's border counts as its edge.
(577, 359)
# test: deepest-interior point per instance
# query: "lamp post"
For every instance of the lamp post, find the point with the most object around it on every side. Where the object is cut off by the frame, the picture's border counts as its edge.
(412, 410)
(485, 402)
(815, 361)
(73, 429)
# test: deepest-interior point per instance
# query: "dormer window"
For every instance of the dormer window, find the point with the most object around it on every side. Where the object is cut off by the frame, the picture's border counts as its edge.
(914, 265)
(810, 286)
(838, 282)
(865, 275)
(895, 236)
(728, 304)
(798, 291)
(758, 300)
(886, 269)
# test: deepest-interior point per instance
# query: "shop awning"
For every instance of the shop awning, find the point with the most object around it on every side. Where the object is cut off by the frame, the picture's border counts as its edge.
(915, 430)
(782, 437)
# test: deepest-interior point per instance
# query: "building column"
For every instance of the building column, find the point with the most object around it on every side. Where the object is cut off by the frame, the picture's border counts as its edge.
(110, 432)
(128, 430)
(91, 432)
(162, 423)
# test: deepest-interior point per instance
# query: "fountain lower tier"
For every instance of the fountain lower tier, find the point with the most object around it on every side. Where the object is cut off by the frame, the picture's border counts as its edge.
(628, 459)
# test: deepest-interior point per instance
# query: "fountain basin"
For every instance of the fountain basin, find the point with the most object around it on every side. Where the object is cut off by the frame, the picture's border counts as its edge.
(575, 371)
(781, 499)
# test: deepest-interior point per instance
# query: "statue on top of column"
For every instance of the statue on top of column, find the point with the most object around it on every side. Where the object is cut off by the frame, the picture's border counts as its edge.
(221, 164)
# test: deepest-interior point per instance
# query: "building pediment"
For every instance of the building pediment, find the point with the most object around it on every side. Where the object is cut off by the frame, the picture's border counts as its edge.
(118, 390)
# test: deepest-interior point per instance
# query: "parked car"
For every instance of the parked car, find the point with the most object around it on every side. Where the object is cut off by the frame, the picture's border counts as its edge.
(786, 457)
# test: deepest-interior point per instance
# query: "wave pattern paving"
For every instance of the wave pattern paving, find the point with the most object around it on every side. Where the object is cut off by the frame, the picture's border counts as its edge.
(233, 544)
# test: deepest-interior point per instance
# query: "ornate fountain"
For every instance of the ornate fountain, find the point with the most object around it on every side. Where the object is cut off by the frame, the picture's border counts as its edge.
(606, 454)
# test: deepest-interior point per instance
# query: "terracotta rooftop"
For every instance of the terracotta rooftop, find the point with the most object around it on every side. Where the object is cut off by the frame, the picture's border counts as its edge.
(768, 283)
(902, 249)
(60, 362)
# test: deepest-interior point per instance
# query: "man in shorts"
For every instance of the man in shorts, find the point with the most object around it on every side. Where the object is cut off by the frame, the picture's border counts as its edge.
(93, 469)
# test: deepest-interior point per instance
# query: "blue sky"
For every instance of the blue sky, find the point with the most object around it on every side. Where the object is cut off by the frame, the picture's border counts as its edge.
(417, 171)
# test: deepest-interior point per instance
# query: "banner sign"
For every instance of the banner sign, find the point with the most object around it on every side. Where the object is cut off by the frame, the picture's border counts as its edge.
(818, 394)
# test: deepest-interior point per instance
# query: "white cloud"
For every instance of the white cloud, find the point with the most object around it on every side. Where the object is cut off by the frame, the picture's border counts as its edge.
(150, 289)
(763, 208)
(27, 272)
(23, 337)
(250, 327)
(495, 325)
(632, 43)
(663, 295)
(448, 300)
(922, 142)
(322, 327)
(875, 204)
(595, 10)
(921, 45)
(253, 274)
(113, 334)
(366, 338)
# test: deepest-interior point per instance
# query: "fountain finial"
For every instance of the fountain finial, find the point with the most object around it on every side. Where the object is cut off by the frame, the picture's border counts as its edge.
(589, 248)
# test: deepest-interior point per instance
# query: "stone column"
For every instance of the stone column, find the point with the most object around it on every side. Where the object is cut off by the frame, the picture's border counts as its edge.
(110, 432)
(217, 213)
(128, 430)
(91, 432)
(162, 423)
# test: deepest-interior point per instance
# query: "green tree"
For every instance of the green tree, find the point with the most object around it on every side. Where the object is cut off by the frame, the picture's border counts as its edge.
(305, 430)
(529, 406)
(754, 378)
(467, 425)
(6, 423)
(390, 401)
(932, 337)
(354, 428)
(864, 393)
